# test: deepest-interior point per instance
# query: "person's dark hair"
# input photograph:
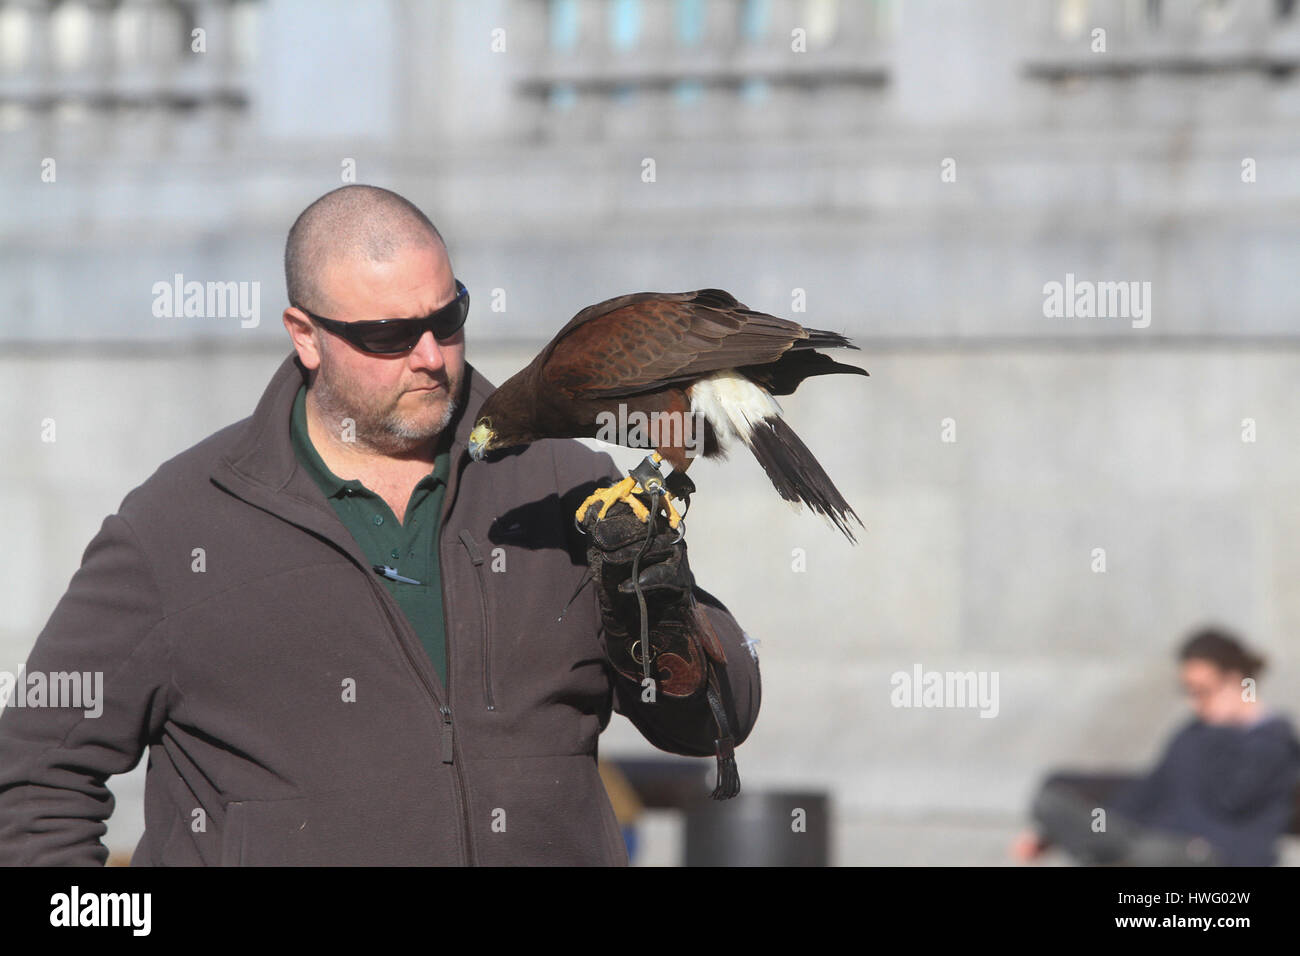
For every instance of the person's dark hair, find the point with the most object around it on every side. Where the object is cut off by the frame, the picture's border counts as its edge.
(1223, 649)
(351, 222)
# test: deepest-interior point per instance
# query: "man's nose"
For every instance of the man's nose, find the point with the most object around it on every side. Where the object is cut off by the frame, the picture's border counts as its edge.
(427, 353)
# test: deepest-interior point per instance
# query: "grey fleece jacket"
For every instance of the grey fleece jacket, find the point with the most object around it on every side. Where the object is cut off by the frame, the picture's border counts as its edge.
(289, 712)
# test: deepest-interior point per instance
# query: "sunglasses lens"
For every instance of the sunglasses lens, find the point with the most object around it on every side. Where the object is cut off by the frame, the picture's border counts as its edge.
(448, 325)
(402, 335)
(398, 337)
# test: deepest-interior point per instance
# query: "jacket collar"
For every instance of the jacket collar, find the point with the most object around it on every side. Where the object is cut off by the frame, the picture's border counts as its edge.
(262, 469)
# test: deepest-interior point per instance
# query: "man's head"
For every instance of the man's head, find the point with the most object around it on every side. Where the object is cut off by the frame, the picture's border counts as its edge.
(358, 254)
(1213, 666)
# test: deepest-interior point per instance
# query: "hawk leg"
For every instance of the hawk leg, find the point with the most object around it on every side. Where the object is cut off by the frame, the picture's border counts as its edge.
(628, 488)
(623, 491)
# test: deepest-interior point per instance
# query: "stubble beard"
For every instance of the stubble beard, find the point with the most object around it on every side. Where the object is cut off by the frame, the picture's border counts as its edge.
(380, 426)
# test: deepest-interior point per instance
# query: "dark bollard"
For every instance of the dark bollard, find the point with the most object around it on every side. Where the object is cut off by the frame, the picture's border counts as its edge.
(760, 829)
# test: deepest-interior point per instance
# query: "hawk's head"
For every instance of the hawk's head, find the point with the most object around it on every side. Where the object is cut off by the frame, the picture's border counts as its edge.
(481, 438)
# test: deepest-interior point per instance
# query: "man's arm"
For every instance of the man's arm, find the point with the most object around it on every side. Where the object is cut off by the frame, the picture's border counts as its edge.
(55, 760)
(686, 725)
(1244, 773)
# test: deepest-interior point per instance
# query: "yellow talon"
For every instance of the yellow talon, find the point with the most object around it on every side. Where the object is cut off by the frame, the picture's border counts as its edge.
(626, 490)
(674, 519)
(619, 492)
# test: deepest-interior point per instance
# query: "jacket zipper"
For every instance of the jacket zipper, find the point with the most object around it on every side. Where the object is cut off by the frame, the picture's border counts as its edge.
(444, 711)
(476, 556)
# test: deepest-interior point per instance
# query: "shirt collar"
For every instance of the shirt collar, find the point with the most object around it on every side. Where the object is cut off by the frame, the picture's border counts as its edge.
(259, 464)
(331, 485)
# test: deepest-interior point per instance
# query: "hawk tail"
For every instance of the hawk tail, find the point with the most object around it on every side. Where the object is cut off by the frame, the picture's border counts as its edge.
(797, 475)
(788, 372)
(822, 339)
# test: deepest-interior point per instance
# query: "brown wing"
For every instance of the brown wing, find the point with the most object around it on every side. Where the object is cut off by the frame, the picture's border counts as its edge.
(640, 342)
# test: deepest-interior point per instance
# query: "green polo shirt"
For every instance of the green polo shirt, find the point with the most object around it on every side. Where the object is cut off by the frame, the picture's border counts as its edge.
(410, 547)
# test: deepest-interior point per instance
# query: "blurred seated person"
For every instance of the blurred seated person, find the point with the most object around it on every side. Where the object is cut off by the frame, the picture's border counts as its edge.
(1222, 793)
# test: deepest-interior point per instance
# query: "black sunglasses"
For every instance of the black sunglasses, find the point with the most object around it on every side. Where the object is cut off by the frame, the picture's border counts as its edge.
(391, 336)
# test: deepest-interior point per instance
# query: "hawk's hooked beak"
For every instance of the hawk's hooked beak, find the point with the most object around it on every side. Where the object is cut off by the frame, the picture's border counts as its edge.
(479, 439)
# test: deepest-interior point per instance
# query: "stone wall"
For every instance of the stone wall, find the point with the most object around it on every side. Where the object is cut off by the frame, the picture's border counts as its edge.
(822, 182)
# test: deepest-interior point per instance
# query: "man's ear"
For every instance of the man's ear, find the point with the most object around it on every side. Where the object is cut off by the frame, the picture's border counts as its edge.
(302, 332)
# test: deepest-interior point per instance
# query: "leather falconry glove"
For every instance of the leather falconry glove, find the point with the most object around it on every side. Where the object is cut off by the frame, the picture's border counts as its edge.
(684, 652)
(680, 637)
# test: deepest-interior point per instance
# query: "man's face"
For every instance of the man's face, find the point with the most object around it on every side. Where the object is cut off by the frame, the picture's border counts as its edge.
(1214, 694)
(398, 402)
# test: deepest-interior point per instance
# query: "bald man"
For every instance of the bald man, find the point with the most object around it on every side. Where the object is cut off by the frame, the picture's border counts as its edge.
(339, 639)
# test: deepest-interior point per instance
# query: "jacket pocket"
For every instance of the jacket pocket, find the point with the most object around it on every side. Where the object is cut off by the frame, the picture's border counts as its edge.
(485, 615)
(395, 821)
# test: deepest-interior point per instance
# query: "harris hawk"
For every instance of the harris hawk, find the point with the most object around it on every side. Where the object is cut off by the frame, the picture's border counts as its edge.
(698, 357)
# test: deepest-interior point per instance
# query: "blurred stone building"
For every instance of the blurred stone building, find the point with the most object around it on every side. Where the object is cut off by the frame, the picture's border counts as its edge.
(913, 173)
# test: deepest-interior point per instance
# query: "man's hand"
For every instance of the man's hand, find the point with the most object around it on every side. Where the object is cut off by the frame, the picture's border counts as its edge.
(678, 635)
